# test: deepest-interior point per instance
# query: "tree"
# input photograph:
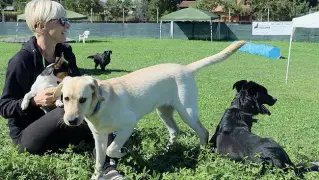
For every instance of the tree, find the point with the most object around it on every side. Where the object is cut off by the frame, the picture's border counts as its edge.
(81, 6)
(234, 7)
(140, 10)
(164, 7)
(4, 3)
(206, 5)
(19, 4)
(283, 10)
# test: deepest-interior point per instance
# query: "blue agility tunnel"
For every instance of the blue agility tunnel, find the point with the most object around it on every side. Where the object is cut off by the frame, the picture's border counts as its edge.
(261, 49)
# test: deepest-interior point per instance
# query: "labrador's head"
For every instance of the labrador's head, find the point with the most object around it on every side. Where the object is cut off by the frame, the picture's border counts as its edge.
(80, 96)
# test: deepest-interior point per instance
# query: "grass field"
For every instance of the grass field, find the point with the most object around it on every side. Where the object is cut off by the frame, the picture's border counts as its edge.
(293, 123)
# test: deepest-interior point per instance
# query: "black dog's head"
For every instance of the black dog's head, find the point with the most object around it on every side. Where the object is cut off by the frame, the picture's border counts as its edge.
(251, 97)
(107, 53)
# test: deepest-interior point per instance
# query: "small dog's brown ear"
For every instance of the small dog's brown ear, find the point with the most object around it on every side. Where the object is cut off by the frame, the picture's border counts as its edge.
(96, 90)
(239, 85)
(59, 62)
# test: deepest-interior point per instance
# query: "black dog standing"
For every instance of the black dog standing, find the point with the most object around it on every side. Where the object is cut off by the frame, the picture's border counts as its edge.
(102, 59)
(233, 136)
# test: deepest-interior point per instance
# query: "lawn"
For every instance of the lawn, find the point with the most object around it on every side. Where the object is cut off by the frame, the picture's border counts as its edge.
(293, 123)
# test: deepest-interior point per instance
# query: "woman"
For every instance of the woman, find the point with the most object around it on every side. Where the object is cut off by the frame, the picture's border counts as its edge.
(31, 129)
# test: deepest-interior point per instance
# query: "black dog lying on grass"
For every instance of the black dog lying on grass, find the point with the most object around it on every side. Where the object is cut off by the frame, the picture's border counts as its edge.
(233, 135)
(102, 59)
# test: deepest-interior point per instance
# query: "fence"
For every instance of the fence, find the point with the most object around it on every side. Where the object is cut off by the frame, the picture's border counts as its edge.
(182, 30)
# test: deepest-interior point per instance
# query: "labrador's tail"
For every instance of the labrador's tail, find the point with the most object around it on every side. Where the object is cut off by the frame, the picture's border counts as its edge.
(219, 57)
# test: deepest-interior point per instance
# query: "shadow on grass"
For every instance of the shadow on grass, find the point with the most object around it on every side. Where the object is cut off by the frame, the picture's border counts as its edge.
(161, 160)
(100, 72)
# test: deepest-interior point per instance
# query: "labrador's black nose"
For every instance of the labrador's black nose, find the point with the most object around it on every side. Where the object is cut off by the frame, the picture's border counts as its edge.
(74, 122)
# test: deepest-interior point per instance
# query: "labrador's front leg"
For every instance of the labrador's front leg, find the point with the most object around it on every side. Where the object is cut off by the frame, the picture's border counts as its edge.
(114, 150)
(100, 148)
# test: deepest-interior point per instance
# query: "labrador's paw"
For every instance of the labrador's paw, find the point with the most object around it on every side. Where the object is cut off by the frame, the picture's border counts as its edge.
(115, 153)
(96, 175)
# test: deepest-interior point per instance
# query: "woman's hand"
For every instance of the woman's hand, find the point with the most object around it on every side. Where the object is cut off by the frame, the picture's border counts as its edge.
(45, 98)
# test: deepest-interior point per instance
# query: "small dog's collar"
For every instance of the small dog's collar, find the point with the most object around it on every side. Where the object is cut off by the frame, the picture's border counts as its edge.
(98, 104)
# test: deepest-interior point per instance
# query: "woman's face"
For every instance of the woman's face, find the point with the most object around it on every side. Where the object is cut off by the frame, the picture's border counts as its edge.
(56, 30)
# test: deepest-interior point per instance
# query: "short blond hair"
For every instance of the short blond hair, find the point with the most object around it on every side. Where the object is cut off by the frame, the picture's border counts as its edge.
(42, 11)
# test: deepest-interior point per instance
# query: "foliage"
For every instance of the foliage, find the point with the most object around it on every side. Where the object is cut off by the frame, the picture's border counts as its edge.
(164, 7)
(4, 3)
(140, 10)
(83, 5)
(206, 5)
(114, 8)
(283, 10)
(19, 4)
(293, 123)
(234, 7)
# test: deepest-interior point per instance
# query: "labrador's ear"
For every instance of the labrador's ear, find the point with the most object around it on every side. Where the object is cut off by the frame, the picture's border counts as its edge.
(239, 85)
(96, 91)
(58, 91)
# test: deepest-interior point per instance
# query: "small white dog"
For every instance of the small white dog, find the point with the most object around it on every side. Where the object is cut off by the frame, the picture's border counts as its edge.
(118, 104)
(45, 80)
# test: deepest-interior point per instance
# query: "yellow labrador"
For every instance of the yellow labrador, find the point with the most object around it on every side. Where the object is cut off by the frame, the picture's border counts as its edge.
(117, 104)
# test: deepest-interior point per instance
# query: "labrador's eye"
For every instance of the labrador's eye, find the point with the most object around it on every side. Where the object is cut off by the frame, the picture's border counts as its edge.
(82, 100)
(66, 98)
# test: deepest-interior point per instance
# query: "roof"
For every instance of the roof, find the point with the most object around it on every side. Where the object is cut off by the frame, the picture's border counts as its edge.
(190, 14)
(69, 15)
(307, 21)
(186, 4)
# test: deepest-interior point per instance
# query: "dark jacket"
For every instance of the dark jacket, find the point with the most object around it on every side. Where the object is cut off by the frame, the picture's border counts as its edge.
(23, 69)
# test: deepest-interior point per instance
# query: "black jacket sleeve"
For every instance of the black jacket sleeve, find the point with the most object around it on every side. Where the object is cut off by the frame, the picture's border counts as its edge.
(16, 85)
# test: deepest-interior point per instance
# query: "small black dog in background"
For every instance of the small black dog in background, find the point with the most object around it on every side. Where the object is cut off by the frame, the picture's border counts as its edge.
(102, 59)
(233, 135)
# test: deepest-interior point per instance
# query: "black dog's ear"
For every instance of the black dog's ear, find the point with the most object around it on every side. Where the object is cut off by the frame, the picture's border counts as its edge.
(111, 52)
(239, 85)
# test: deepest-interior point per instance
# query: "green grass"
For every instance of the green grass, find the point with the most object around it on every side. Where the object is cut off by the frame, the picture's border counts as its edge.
(293, 123)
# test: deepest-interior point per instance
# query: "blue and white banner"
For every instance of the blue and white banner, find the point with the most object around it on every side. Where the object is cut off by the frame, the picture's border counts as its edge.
(272, 28)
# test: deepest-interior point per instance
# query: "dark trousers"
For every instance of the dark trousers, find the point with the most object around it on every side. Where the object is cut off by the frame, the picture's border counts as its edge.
(50, 133)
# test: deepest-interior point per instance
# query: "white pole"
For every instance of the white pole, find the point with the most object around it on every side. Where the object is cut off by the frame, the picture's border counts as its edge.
(288, 61)
(161, 30)
(3, 16)
(172, 29)
(91, 15)
(123, 16)
(219, 29)
(17, 27)
(211, 31)
(157, 15)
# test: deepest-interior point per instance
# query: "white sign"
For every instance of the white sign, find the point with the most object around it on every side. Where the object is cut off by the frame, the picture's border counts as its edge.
(272, 28)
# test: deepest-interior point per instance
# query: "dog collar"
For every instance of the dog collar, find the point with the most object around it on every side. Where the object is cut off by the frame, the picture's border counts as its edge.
(98, 104)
